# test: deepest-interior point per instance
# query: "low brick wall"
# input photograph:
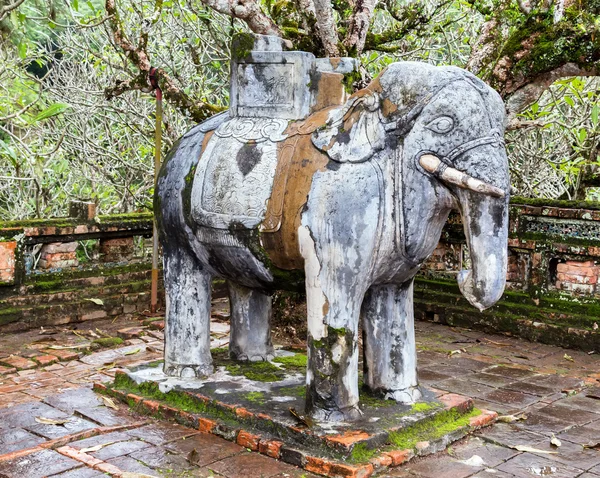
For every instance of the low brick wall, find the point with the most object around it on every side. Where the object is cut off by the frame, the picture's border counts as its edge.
(69, 270)
(552, 293)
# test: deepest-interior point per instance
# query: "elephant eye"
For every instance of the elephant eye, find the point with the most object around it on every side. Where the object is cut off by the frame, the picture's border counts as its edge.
(441, 125)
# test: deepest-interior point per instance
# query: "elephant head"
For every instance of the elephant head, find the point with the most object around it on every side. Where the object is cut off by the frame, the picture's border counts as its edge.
(445, 128)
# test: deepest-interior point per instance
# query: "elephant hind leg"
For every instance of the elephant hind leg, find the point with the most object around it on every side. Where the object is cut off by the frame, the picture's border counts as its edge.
(187, 322)
(390, 355)
(251, 312)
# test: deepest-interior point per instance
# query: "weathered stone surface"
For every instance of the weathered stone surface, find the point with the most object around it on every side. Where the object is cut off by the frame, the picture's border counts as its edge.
(250, 466)
(13, 439)
(491, 454)
(527, 465)
(209, 448)
(37, 465)
(442, 467)
(20, 363)
(117, 249)
(261, 172)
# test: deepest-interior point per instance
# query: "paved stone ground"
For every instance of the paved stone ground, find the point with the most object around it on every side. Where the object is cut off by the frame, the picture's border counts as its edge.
(557, 389)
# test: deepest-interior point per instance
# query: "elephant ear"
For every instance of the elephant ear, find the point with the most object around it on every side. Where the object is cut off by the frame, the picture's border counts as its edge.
(354, 132)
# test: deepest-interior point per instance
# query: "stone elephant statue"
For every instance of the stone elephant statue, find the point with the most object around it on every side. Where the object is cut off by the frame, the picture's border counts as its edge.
(350, 201)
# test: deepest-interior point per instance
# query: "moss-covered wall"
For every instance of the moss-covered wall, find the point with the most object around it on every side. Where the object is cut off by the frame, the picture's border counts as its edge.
(110, 285)
(552, 292)
(552, 283)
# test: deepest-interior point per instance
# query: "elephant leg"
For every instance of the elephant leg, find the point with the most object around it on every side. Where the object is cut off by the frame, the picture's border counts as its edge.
(333, 315)
(187, 322)
(250, 337)
(390, 355)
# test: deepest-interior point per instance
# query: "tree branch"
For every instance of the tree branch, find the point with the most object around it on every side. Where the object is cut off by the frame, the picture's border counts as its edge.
(326, 27)
(359, 26)
(6, 9)
(528, 93)
(248, 11)
(138, 57)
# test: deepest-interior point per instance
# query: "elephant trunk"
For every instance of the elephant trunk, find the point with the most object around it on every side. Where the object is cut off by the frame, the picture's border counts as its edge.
(485, 220)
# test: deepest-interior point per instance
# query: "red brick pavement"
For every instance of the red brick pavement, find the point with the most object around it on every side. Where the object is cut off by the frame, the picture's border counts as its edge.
(554, 388)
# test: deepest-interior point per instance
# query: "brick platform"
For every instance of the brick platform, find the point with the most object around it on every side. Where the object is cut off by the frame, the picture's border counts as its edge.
(508, 375)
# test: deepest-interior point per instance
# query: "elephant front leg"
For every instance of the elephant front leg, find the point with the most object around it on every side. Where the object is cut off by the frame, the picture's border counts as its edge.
(250, 337)
(390, 355)
(333, 314)
(187, 322)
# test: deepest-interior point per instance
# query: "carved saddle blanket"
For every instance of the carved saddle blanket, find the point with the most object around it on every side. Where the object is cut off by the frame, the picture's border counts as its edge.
(256, 173)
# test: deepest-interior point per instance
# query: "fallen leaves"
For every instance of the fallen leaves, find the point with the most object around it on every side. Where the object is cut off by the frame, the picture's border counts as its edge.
(109, 402)
(52, 421)
(304, 420)
(530, 449)
(511, 418)
(193, 456)
(592, 445)
(95, 448)
(555, 441)
(107, 366)
(568, 357)
(456, 352)
(96, 301)
(67, 347)
(475, 460)
(132, 352)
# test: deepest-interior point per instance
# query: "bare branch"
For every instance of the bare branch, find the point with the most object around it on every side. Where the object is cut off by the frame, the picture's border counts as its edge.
(138, 57)
(6, 9)
(248, 11)
(528, 93)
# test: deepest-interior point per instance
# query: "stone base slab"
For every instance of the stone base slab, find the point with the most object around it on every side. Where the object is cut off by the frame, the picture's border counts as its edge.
(257, 416)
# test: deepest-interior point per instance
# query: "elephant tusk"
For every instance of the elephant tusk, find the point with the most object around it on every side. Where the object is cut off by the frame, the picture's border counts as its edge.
(433, 165)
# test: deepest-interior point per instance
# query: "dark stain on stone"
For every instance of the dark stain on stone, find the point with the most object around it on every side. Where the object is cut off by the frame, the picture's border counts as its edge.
(248, 157)
(496, 210)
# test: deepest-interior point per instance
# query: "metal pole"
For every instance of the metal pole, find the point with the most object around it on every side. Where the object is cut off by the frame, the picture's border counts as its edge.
(157, 151)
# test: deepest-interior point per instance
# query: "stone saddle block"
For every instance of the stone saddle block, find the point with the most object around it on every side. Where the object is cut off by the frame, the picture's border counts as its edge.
(267, 82)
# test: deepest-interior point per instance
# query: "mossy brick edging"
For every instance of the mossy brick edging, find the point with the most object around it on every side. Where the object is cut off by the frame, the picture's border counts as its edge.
(239, 425)
(16, 319)
(555, 319)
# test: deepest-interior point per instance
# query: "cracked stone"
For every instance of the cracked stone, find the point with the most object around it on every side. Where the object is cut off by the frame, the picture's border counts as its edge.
(37, 465)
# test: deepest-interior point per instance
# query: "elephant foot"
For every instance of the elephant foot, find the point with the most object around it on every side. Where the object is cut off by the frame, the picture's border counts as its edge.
(252, 357)
(187, 370)
(407, 396)
(348, 414)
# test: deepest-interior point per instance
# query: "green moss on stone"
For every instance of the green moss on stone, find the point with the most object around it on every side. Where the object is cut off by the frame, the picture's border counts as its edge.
(296, 361)
(424, 406)
(174, 398)
(350, 79)
(431, 429)
(256, 397)
(299, 391)
(106, 342)
(361, 453)
(259, 371)
(242, 45)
